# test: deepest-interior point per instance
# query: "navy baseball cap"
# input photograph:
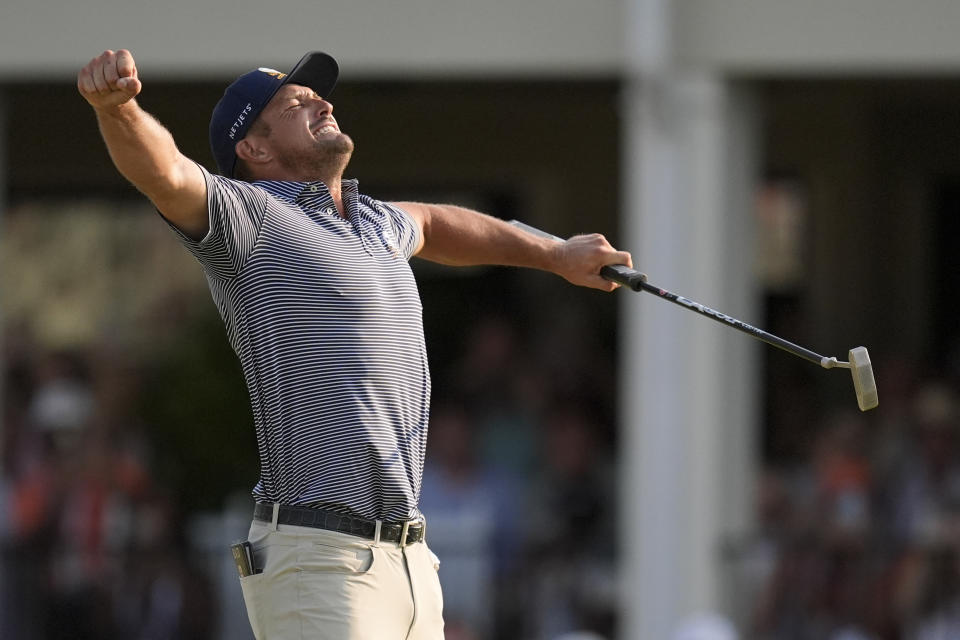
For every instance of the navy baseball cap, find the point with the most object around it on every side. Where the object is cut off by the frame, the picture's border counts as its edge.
(243, 101)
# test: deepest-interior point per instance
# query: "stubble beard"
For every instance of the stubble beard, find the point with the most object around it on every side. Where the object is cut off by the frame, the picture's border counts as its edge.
(325, 159)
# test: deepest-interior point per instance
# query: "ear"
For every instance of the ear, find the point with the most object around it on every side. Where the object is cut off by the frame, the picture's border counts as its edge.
(252, 150)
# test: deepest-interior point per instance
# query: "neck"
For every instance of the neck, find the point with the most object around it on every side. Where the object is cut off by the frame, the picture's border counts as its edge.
(329, 173)
(334, 187)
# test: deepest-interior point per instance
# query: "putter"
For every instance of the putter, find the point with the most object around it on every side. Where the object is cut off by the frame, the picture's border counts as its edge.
(858, 363)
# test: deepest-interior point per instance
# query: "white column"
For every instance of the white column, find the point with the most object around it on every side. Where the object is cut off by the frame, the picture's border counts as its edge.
(4, 587)
(3, 207)
(688, 387)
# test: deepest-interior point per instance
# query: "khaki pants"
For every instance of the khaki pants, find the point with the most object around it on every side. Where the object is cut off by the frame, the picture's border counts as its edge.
(324, 585)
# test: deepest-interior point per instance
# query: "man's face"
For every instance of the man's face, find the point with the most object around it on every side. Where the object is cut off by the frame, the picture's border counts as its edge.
(304, 136)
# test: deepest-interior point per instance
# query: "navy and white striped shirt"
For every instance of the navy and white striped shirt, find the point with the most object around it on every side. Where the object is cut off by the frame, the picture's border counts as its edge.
(326, 319)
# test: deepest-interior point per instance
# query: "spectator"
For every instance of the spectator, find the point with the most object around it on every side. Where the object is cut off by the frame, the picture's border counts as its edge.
(927, 481)
(472, 519)
(570, 528)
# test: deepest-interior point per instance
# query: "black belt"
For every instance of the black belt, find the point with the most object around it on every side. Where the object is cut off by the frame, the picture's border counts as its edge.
(403, 533)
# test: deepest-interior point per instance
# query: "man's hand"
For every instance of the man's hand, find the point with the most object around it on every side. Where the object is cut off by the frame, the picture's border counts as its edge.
(580, 259)
(140, 147)
(109, 80)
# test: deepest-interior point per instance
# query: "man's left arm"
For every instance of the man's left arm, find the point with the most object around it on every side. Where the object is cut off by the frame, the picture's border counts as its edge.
(461, 237)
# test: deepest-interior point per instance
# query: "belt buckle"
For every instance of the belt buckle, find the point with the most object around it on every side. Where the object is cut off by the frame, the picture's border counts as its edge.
(403, 534)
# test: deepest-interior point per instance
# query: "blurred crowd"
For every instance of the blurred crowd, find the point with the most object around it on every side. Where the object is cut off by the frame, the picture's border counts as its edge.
(857, 537)
(857, 532)
(519, 487)
(91, 545)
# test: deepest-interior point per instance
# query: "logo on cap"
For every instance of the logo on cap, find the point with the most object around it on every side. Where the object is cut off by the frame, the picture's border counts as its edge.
(239, 121)
(273, 72)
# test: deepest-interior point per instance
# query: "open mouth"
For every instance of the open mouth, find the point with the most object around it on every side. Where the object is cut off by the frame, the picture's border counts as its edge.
(326, 128)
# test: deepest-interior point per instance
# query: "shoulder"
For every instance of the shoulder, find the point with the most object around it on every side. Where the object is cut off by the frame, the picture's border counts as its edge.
(231, 194)
(393, 212)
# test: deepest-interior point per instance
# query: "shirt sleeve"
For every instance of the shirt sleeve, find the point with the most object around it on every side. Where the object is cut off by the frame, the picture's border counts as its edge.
(404, 228)
(235, 211)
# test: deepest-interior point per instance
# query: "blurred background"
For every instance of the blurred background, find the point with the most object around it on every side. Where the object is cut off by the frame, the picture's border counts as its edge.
(599, 466)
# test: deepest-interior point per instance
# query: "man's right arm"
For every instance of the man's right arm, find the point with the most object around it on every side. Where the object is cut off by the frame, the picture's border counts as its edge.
(141, 148)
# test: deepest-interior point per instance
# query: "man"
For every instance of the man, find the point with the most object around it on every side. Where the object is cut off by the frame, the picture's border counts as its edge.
(312, 281)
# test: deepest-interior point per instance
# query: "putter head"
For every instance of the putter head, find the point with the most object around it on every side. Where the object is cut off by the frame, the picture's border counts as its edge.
(863, 381)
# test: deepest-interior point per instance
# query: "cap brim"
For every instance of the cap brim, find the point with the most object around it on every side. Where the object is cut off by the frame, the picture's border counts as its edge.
(316, 70)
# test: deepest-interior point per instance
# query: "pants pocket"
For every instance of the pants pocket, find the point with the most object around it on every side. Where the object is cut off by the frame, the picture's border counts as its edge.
(337, 593)
(322, 558)
(251, 598)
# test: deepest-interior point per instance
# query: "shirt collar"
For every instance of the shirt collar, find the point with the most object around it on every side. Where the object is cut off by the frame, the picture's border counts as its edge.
(312, 195)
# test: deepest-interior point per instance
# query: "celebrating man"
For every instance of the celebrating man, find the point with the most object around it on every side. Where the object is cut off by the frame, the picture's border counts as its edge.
(312, 281)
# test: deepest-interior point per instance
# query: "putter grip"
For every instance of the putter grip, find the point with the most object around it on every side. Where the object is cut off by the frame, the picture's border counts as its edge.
(624, 275)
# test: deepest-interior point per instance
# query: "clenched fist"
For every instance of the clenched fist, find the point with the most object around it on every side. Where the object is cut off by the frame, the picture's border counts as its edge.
(582, 257)
(109, 80)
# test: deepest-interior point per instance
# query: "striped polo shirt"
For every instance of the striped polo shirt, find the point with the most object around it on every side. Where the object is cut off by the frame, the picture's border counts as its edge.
(326, 319)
